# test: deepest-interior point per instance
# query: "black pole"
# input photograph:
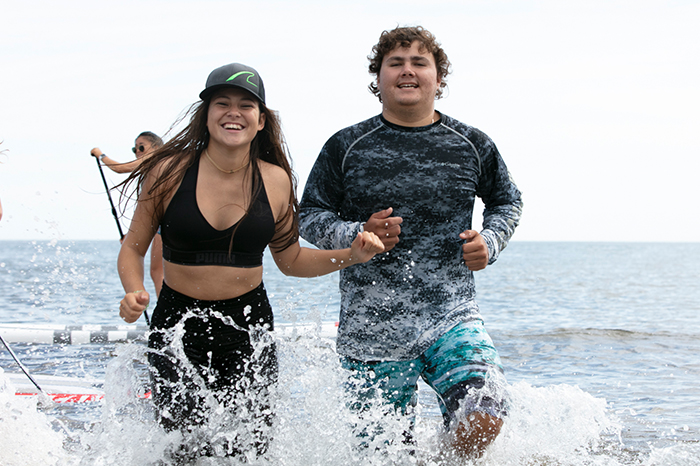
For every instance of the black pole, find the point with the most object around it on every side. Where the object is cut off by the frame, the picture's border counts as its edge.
(145, 316)
(109, 196)
(21, 366)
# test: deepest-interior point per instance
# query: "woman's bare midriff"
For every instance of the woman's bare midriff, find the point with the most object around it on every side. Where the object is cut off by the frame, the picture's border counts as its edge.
(211, 282)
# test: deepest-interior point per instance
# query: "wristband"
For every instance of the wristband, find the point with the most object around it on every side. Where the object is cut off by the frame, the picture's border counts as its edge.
(102, 157)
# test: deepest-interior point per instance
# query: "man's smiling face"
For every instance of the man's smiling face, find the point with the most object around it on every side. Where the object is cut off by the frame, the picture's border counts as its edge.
(408, 79)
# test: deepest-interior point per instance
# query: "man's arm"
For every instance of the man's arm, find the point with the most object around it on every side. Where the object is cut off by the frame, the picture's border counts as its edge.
(319, 214)
(502, 201)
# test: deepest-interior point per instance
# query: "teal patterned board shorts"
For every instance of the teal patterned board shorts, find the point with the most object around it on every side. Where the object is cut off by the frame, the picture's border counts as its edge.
(462, 367)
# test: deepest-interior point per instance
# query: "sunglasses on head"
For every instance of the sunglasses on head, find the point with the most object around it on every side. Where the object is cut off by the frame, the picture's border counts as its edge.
(140, 148)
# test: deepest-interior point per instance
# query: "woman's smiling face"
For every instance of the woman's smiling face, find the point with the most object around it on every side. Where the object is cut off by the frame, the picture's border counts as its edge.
(234, 118)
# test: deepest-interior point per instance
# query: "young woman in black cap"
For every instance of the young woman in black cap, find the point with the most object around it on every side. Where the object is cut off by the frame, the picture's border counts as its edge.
(221, 190)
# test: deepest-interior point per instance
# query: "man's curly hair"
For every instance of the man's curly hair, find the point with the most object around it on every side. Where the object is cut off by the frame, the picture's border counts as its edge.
(404, 37)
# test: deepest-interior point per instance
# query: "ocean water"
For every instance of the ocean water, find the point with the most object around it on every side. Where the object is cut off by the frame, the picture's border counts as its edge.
(600, 343)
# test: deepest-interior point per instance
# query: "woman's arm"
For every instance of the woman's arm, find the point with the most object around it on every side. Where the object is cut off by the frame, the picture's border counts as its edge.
(126, 167)
(131, 255)
(297, 261)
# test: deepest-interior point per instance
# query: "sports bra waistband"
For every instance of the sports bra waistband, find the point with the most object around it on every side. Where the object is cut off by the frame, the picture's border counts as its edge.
(233, 259)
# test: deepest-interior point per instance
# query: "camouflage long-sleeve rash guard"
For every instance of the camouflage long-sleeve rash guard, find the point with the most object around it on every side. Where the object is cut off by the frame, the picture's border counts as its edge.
(399, 303)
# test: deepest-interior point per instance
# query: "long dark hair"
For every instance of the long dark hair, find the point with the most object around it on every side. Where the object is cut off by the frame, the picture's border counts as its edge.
(184, 149)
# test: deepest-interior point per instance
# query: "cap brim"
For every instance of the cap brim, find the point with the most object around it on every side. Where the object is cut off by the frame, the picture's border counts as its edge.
(207, 93)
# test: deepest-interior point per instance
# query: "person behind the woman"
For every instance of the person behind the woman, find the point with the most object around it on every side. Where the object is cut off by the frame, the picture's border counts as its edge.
(144, 145)
(221, 190)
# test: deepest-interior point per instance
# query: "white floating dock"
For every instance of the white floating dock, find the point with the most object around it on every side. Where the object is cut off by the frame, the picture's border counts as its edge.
(50, 334)
(71, 334)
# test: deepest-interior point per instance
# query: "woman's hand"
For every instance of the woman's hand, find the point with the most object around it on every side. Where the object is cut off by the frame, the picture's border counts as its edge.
(133, 305)
(365, 246)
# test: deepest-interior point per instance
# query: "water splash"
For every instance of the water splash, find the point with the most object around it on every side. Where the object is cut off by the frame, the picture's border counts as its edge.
(27, 437)
(557, 425)
(125, 421)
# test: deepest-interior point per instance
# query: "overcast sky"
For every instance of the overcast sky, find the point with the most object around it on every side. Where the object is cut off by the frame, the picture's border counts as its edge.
(593, 104)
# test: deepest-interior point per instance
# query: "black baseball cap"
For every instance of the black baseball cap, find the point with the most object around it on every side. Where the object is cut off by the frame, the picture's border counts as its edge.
(234, 75)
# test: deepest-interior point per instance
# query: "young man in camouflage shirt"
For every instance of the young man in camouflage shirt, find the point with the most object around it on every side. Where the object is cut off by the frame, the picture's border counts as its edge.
(410, 175)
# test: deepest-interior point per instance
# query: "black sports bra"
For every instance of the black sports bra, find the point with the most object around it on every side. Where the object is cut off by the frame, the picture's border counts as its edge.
(188, 239)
